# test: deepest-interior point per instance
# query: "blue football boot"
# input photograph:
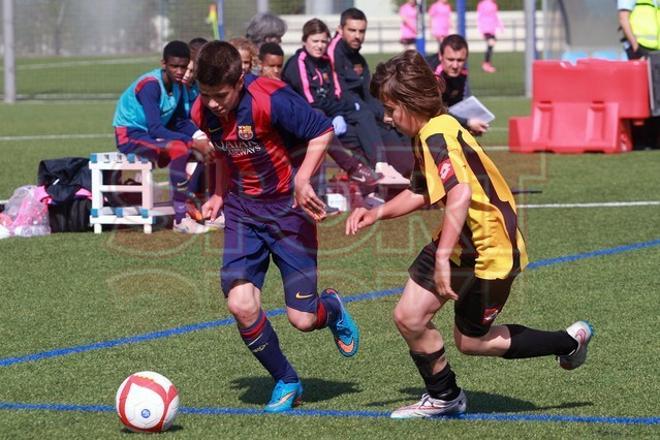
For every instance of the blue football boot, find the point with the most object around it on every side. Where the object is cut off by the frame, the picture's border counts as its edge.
(345, 331)
(285, 396)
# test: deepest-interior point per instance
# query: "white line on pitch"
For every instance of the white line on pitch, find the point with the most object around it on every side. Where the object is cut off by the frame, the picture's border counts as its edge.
(592, 205)
(42, 137)
(57, 65)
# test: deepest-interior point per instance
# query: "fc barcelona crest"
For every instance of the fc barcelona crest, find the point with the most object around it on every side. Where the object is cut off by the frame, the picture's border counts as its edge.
(245, 132)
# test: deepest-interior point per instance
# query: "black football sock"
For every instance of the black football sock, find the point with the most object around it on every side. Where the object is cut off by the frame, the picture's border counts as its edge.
(441, 385)
(489, 54)
(527, 343)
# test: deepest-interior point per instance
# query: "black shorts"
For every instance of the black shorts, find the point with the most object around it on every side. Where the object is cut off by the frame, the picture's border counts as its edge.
(489, 36)
(408, 41)
(479, 301)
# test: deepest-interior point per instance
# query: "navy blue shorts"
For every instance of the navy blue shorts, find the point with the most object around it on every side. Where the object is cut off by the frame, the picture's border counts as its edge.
(257, 229)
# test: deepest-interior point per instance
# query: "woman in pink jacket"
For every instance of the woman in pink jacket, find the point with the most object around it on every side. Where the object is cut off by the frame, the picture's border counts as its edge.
(408, 14)
(440, 16)
(488, 23)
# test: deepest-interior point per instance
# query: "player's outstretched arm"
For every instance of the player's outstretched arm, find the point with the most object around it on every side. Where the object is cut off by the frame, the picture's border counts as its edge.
(456, 209)
(404, 203)
(215, 203)
(304, 194)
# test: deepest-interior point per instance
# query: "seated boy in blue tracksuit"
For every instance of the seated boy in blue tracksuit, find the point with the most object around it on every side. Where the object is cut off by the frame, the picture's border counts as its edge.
(151, 121)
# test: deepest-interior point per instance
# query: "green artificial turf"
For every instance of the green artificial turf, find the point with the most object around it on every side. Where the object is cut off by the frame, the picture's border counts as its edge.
(70, 290)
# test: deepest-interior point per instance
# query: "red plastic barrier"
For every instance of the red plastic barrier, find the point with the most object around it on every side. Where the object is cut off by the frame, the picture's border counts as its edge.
(584, 107)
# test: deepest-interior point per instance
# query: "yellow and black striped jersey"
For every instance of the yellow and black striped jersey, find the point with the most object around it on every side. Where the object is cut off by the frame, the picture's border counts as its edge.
(446, 154)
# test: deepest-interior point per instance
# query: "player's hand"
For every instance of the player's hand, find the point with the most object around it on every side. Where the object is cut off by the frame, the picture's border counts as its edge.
(477, 127)
(339, 124)
(211, 208)
(305, 197)
(442, 278)
(360, 218)
(204, 146)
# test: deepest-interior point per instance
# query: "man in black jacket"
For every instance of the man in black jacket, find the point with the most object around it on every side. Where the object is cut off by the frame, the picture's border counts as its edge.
(353, 71)
(449, 64)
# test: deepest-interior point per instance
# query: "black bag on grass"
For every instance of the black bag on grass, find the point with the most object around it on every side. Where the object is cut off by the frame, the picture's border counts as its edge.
(72, 216)
(62, 178)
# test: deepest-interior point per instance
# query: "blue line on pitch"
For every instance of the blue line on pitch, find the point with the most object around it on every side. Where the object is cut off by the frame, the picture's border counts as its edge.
(276, 312)
(162, 333)
(214, 411)
(600, 253)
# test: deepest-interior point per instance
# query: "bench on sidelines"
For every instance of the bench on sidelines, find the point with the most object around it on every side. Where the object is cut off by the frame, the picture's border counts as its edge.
(105, 167)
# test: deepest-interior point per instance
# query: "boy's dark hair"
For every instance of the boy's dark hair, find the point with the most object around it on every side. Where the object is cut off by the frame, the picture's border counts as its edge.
(408, 80)
(176, 49)
(351, 14)
(314, 26)
(454, 41)
(218, 63)
(270, 49)
(195, 44)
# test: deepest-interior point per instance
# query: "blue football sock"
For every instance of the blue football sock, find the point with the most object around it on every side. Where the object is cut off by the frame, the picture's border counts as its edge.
(262, 341)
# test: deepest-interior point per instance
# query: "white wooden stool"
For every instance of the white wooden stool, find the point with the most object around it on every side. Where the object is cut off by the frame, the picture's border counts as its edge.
(143, 214)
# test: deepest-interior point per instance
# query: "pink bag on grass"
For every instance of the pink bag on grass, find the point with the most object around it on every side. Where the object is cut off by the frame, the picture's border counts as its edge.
(25, 215)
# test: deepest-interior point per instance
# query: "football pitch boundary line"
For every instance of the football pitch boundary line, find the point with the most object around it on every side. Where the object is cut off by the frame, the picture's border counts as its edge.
(213, 411)
(298, 412)
(185, 329)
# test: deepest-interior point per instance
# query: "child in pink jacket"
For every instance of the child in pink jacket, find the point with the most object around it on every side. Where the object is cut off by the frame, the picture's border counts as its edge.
(440, 16)
(408, 14)
(488, 23)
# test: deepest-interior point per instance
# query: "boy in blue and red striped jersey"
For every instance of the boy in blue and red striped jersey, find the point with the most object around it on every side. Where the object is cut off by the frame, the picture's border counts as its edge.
(151, 121)
(269, 142)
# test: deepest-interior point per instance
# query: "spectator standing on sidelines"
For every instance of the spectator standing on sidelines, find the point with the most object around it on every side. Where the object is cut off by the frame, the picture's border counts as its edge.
(472, 260)
(408, 29)
(150, 120)
(449, 64)
(268, 142)
(440, 18)
(640, 24)
(489, 24)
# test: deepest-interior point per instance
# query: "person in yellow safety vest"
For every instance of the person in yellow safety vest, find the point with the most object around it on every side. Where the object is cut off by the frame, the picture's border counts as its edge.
(640, 23)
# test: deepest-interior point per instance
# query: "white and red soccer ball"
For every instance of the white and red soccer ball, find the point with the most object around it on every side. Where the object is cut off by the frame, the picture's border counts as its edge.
(147, 402)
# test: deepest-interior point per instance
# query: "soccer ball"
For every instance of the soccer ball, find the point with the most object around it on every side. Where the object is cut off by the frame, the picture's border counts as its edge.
(147, 402)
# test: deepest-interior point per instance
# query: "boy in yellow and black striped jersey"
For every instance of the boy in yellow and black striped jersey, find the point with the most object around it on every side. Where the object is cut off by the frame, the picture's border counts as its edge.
(476, 252)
